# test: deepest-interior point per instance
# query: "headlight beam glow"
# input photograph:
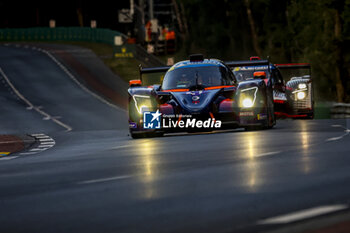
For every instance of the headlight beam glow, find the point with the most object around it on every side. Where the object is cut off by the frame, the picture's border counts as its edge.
(301, 95)
(302, 86)
(142, 106)
(247, 101)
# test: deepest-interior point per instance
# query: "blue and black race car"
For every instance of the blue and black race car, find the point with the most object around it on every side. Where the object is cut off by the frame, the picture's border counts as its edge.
(198, 94)
(291, 83)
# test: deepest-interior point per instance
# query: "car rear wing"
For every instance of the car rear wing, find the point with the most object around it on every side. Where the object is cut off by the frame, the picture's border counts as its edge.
(153, 69)
(150, 70)
(294, 66)
(228, 63)
(247, 63)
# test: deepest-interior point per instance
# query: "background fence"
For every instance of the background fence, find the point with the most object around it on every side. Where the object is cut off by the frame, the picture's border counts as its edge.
(340, 111)
(60, 34)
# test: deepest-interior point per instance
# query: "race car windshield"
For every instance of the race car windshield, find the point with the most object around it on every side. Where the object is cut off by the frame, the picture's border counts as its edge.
(242, 75)
(201, 76)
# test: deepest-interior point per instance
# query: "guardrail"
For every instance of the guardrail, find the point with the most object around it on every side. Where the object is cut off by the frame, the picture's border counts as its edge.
(60, 33)
(340, 111)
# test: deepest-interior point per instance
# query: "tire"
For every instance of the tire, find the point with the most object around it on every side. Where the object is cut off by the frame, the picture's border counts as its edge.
(309, 116)
(268, 124)
(137, 135)
(271, 119)
(271, 115)
(253, 128)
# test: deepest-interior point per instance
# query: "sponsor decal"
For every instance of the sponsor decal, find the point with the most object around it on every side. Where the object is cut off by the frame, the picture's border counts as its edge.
(132, 125)
(191, 123)
(246, 113)
(265, 67)
(195, 98)
(152, 120)
(123, 52)
(262, 116)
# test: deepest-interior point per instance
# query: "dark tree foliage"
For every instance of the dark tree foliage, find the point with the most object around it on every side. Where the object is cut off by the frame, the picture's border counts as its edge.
(315, 31)
(217, 28)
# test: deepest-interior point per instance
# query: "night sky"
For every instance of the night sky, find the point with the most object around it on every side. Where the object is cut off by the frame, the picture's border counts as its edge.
(14, 14)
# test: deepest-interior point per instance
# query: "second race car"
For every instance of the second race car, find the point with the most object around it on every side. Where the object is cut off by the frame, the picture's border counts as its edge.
(292, 91)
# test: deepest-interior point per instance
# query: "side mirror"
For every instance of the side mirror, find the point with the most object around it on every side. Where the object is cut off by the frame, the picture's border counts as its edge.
(135, 83)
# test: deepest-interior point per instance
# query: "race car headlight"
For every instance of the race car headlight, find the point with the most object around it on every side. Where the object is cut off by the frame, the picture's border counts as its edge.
(302, 85)
(247, 103)
(142, 103)
(301, 95)
(248, 97)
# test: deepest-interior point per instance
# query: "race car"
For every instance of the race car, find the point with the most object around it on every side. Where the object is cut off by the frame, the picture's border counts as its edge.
(292, 91)
(198, 94)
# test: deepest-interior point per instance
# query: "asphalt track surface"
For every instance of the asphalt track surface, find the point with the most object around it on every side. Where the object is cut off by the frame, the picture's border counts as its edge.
(97, 179)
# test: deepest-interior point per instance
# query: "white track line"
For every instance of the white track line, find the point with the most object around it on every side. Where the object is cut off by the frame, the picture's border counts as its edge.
(78, 83)
(346, 130)
(8, 158)
(45, 146)
(28, 153)
(334, 139)
(104, 179)
(303, 214)
(338, 126)
(37, 149)
(45, 143)
(38, 134)
(46, 140)
(42, 137)
(30, 105)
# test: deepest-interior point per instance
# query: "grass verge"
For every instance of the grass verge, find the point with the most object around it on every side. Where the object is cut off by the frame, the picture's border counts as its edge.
(126, 68)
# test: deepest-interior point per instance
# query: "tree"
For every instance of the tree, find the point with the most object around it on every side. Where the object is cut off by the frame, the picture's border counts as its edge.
(315, 31)
(251, 21)
(318, 37)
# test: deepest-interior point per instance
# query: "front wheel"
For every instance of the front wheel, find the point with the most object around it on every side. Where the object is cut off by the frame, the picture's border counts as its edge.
(253, 128)
(271, 121)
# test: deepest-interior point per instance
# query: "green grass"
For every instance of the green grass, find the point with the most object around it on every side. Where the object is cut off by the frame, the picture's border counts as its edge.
(178, 56)
(126, 68)
(99, 49)
(323, 110)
